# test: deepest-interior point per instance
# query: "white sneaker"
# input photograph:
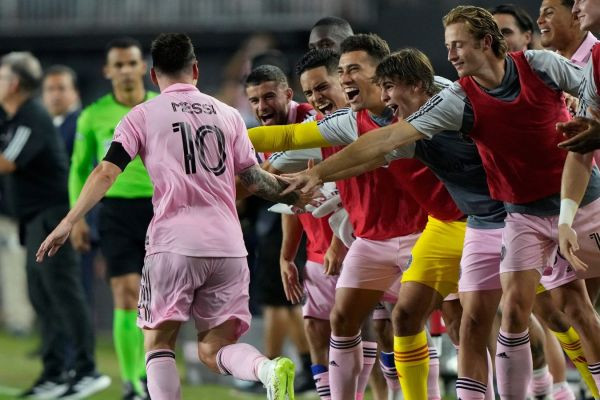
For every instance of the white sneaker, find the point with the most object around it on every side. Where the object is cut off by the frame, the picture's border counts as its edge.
(86, 386)
(45, 390)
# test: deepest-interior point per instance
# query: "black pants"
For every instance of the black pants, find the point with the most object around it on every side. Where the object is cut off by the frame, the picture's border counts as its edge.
(56, 293)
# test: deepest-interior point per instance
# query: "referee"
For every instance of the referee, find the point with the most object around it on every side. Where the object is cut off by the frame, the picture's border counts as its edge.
(127, 207)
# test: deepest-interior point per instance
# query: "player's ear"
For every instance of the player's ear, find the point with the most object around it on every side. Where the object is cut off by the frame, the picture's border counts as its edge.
(105, 71)
(145, 67)
(195, 71)
(153, 76)
(289, 93)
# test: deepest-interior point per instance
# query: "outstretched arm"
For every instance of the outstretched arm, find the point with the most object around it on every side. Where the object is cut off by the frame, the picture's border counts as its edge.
(575, 178)
(95, 187)
(266, 185)
(287, 137)
(366, 153)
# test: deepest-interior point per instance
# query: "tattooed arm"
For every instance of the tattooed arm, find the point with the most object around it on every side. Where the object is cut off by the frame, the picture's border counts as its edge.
(265, 185)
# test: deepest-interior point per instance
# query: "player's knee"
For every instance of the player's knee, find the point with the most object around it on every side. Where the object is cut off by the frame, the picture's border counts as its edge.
(407, 322)
(207, 353)
(582, 316)
(343, 323)
(317, 332)
(383, 334)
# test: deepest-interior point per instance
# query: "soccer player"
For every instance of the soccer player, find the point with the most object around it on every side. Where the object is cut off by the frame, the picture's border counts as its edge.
(317, 70)
(384, 227)
(33, 153)
(516, 26)
(329, 33)
(490, 89)
(193, 146)
(127, 208)
(270, 98)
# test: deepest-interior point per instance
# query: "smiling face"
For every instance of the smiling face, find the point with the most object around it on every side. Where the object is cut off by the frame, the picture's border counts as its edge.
(322, 90)
(465, 53)
(558, 26)
(516, 39)
(587, 13)
(356, 70)
(270, 102)
(399, 97)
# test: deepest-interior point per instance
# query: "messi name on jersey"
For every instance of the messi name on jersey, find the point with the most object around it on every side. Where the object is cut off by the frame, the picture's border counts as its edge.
(193, 108)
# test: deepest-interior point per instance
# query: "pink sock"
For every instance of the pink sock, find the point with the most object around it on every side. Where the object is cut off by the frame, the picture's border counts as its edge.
(489, 391)
(240, 360)
(388, 367)
(369, 358)
(562, 391)
(470, 389)
(541, 383)
(595, 371)
(345, 364)
(163, 379)
(433, 379)
(322, 384)
(514, 366)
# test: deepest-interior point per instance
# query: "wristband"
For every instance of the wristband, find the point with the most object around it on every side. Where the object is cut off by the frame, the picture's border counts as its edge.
(568, 209)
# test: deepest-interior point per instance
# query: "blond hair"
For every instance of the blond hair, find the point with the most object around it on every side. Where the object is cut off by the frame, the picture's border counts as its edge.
(480, 23)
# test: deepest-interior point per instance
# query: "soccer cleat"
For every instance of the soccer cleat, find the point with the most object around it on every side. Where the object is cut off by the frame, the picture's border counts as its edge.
(85, 386)
(44, 389)
(280, 383)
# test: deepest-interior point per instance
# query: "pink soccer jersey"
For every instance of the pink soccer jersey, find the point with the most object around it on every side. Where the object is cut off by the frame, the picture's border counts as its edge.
(192, 146)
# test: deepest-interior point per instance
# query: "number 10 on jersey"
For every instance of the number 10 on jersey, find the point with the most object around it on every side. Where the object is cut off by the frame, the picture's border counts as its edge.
(208, 142)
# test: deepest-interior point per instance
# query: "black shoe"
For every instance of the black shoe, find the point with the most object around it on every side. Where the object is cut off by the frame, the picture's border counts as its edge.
(45, 389)
(129, 392)
(304, 383)
(84, 386)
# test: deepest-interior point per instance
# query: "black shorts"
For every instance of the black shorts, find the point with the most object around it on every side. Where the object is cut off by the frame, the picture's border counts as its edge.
(122, 226)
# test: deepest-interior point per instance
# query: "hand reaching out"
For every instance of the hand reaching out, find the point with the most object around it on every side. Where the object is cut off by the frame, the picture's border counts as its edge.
(54, 241)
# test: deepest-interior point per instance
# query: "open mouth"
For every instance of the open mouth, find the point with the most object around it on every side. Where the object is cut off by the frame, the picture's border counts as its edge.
(326, 108)
(395, 109)
(266, 119)
(545, 30)
(351, 93)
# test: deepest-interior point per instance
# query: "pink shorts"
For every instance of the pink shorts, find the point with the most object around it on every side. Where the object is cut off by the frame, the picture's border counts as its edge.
(562, 273)
(530, 242)
(480, 263)
(320, 291)
(211, 290)
(376, 264)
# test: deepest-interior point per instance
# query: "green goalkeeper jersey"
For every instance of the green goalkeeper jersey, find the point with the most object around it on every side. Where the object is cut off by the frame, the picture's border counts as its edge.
(95, 128)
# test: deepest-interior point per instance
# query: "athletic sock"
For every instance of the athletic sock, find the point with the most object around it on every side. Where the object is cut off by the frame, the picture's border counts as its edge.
(595, 370)
(369, 358)
(345, 364)
(388, 367)
(242, 361)
(433, 378)
(470, 389)
(541, 383)
(321, 377)
(514, 365)
(411, 356)
(163, 379)
(126, 337)
(571, 345)
(562, 391)
(489, 392)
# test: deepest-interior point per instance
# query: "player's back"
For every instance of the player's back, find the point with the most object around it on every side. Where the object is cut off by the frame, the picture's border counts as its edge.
(192, 146)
